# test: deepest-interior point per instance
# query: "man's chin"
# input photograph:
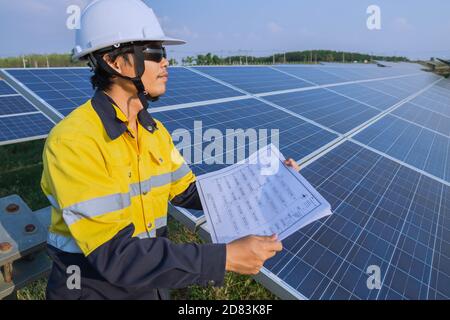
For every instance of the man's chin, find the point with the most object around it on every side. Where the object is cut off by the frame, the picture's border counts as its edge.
(157, 94)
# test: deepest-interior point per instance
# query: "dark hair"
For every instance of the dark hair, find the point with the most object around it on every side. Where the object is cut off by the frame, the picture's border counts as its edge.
(102, 80)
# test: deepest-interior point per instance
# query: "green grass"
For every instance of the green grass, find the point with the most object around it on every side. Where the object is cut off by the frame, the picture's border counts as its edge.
(20, 171)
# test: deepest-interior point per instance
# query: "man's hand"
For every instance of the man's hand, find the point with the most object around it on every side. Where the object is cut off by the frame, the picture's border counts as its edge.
(248, 254)
(291, 163)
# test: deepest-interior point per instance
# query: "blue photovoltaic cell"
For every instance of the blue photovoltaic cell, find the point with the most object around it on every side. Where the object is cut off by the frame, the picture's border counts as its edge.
(371, 97)
(297, 137)
(254, 79)
(24, 126)
(185, 86)
(326, 108)
(384, 215)
(415, 145)
(62, 88)
(15, 104)
(5, 88)
(425, 117)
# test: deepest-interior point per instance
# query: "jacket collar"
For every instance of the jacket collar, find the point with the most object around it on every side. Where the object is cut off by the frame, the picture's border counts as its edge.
(114, 123)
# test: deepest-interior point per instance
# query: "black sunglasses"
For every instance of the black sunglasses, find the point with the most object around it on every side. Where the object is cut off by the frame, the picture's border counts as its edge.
(155, 54)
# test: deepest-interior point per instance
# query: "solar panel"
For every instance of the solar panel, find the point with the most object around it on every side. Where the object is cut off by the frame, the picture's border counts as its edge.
(326, 108)
(62, 88)
(19, 119)
(15, 104)
(5, 88)
(415, 145)
(24, 127)
(254, 79)
(377, 202)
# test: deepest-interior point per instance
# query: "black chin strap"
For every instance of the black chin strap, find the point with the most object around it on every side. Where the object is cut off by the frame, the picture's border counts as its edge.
(139, 68)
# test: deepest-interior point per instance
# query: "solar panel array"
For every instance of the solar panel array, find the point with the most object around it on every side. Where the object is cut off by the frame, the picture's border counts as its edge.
(385, 215)
(374, 141)
(19, 119)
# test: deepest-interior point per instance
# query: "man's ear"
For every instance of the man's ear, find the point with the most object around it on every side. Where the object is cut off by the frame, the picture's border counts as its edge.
(113, 64)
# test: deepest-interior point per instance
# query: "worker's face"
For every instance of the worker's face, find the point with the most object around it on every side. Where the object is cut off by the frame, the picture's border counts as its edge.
(154, 78)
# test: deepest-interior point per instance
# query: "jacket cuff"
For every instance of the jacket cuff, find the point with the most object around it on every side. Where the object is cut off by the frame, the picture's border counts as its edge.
(213, 265)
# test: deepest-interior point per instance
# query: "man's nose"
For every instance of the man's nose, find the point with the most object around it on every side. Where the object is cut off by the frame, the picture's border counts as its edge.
(165, 63)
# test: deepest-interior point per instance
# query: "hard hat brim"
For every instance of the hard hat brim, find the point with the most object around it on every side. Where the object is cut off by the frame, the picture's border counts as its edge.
(172, 42)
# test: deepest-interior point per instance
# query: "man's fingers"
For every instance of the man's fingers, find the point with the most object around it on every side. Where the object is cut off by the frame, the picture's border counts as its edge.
(274, 246)
(291, 163)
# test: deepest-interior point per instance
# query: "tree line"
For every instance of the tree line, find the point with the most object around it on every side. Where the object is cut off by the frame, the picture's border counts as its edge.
(308, 57)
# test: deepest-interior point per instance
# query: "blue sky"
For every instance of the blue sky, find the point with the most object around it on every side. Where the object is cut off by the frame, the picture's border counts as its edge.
(417, 29)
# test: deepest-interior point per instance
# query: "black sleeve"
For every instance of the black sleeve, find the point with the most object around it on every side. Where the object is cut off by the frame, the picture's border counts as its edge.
(128, 261)
(189, 199)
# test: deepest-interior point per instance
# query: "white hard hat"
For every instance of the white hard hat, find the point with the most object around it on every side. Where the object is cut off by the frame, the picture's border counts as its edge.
(105, 23)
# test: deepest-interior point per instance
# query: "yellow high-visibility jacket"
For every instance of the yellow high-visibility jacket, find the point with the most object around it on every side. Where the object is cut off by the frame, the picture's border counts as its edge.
(99, 179)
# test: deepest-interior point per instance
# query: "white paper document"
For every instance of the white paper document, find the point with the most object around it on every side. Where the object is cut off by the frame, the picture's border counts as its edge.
(259, 196)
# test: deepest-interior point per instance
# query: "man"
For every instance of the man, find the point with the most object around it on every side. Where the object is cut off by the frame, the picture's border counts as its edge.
(110, 170)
